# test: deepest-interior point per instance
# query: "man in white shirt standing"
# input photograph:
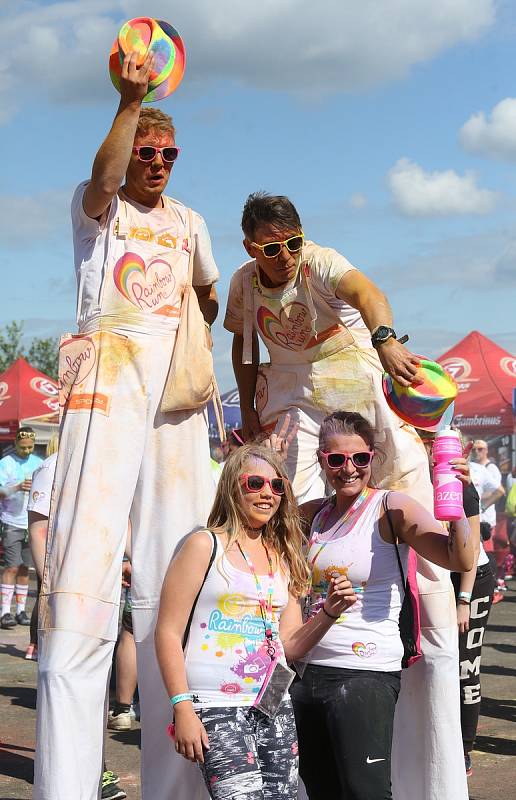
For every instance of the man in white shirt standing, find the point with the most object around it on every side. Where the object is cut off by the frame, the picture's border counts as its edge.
(15, 481)
(491, 491)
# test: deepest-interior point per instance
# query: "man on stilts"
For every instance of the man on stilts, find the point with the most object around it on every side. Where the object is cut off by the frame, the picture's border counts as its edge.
(328, 331)
(120, 457)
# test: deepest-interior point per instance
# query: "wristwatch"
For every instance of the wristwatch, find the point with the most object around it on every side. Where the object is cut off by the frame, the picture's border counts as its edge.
(381, 334)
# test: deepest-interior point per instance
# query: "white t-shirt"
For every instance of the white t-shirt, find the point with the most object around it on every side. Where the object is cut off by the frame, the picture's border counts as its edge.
(13, 470)
(41, 488)
(486, 479)
(494, 471)
(94, 244)
(327, 268)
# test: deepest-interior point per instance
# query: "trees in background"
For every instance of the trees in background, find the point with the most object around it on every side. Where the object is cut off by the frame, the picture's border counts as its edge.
(42, 353)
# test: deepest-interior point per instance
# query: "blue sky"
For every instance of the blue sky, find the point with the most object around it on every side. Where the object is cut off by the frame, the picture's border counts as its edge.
(391, 125)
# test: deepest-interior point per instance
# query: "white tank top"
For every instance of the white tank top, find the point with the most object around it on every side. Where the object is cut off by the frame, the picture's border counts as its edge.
(366, 636)
(226, 660)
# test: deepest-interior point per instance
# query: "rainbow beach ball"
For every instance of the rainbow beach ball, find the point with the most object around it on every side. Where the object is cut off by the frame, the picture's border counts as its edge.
(141, 35)
(422, 406)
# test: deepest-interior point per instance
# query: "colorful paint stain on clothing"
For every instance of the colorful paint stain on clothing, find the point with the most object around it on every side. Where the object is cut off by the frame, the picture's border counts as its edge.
(226, 656)
(149, 286)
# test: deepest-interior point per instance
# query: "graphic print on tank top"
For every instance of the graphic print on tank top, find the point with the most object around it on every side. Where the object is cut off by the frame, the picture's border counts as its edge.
(368, 631)
(226, 655)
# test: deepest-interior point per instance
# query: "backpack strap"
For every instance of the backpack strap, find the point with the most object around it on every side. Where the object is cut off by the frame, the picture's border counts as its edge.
(394, 538)
(194, 604)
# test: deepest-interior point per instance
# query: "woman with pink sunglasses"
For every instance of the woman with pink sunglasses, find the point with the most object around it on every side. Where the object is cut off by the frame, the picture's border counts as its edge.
(345, 700)
(230, 620)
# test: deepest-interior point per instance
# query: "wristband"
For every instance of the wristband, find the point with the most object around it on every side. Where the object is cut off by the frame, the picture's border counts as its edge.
(465, 596)
(328, 614)
(178, 698)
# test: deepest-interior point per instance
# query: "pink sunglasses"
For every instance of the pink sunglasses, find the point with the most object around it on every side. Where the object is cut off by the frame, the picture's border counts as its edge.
(255, 483)
(339, 460)
(148, 153)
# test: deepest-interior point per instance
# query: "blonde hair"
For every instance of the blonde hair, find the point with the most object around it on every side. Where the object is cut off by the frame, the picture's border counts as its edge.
(282, 532)
(152, 119)
(52, 444)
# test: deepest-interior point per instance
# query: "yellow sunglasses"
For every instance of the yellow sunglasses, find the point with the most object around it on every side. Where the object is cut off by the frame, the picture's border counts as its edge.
(273, 249)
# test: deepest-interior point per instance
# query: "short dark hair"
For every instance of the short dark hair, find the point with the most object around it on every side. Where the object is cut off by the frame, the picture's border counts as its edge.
(262, 208)
(25, 432)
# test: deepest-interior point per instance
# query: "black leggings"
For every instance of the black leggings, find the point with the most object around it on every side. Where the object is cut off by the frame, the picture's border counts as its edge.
(470, 652)
(344, 721)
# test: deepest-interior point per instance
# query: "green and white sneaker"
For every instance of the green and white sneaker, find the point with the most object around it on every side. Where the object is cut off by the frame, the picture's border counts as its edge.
(110, 788)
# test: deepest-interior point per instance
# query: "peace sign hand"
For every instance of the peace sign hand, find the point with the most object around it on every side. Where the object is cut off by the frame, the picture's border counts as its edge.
(280, 442)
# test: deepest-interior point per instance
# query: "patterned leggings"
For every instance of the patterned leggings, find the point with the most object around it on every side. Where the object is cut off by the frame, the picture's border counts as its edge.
(250, 755)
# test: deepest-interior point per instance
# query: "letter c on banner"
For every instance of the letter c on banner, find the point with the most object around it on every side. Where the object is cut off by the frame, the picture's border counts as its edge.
(474, 613)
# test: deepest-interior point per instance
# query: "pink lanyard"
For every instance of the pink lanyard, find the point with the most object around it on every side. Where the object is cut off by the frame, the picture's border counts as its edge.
(359, 502)
(265, 605)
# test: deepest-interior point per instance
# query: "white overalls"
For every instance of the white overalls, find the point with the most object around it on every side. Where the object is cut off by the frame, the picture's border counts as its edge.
(319, 365)
(119, 458)
(308, 378)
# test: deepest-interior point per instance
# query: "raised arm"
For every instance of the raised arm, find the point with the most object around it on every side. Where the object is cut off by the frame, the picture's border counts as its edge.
(112, 159)
(415, 526)
(245, 375)
(361, 293)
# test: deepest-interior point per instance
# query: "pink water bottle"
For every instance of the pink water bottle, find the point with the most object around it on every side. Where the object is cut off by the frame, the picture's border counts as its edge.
(447, 487)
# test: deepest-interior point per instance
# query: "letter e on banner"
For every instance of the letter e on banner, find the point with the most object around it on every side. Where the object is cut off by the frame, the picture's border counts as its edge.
(472, 694)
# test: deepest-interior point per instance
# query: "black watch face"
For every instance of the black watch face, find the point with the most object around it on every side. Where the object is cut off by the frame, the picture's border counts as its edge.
(383, 333)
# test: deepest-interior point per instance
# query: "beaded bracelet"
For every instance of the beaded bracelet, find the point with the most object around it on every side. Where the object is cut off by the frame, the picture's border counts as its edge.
(178, 698)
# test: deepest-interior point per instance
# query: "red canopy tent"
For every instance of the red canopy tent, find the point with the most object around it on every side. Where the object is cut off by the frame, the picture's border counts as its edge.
(486, 375)
(25, 394)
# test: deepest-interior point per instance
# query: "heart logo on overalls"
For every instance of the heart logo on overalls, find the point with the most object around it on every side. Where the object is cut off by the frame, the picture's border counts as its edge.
(146, 287)
(291, 330)
(77, 357)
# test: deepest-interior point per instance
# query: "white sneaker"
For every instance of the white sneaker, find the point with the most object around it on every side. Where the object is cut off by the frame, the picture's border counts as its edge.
(120, 722)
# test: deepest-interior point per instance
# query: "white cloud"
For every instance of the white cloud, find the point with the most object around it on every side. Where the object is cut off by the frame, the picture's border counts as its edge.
(495, 135)
(417, 193)
(358, 201)
(60, 49)
(25, 220)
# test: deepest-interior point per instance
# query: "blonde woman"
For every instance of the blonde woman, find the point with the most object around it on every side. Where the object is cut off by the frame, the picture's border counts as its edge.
(246, 625)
